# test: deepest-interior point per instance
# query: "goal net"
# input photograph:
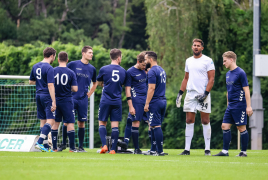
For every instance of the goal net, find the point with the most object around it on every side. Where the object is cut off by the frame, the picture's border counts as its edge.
(18, 111)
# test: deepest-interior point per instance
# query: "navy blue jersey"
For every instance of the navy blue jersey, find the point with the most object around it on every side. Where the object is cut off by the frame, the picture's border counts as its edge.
(157, 76)
(85, 73)
(113, 77)
(235, 81)
(42, 73)
(136, 79)
(64, 80)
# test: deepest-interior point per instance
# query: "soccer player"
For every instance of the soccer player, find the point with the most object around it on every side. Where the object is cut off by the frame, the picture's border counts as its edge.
(65, 84)
(199, 79)
(238, 104)
(112, 77)
(42, 75)
(156, 101)
(85, 73)
(136, 90)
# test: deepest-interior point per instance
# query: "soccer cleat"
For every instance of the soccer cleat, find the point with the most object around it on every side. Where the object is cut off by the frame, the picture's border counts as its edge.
(137, 151)
(55, 150)
(73, 150)
(50, 150)
(81, 149)
(159, 154)
(185, 152)
(207, 153)
(150, 153)
(242, 154)
(40, 147)
(112, 152)
(221, 154)
(122, 144)
(61, 147)
(165, 153)
(104, 149)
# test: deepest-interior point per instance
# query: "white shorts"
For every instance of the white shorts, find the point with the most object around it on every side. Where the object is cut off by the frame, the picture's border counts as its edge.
(192, 105)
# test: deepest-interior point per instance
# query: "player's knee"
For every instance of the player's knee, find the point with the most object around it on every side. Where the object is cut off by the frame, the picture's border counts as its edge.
(102, 123)
(241, 128)
(65, 124)
(81, 124)
(136, 123)
(224, 127)
(205, 121)
(189, 120)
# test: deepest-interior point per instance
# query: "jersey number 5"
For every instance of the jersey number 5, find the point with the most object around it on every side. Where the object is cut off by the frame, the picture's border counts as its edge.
(116, 75)
(60, 79)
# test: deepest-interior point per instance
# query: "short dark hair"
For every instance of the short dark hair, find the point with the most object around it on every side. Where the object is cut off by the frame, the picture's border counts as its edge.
(63, 56)
(86, 48)
(141, 57)
(115, 53)
(152, 55)
(199, 40)
(48, 52)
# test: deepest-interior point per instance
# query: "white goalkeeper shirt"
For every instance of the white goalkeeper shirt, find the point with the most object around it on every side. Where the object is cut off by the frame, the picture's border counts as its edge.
(198, 76)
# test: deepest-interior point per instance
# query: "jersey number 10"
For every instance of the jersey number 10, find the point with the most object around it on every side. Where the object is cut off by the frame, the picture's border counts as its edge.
(60, 79)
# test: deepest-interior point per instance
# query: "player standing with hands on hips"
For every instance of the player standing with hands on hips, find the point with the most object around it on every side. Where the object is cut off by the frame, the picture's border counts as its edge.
(238, 104)
(156, 100)
(198, 80)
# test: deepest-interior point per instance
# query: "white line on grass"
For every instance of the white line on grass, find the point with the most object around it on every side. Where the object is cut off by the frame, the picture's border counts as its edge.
(107, 159)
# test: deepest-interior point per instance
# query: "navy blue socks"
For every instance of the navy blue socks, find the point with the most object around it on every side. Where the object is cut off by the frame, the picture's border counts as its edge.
(128, 131)
(81, 136)
(54, 136)
(158, 134)
(71, 135)
(153, 142)
(45, 130)
(135, 137)
(226, 139)
(114, 137)
(64, 134)
(244, 140)
(103, 133)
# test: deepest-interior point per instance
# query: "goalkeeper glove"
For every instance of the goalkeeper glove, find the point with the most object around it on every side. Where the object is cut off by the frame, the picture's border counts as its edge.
(178, 100)
(201, 98)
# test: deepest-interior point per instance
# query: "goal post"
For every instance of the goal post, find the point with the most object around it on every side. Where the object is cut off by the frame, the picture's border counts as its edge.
(18, 111)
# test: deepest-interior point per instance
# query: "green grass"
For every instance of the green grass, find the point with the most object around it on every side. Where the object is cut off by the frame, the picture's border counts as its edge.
(65, 165)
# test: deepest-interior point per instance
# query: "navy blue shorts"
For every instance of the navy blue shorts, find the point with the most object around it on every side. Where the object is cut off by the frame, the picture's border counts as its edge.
(65, 111)
(44, 103)
(114, 111)
(235, 116)
(81, 108)
(157, 112)
(139, 108)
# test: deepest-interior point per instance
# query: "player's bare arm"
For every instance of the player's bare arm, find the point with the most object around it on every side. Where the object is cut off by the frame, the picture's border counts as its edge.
(129, 101)
(92, 89)
(211, 77)
(182, 89)
(150, 94)
(32, 82)
(247, 95)
(51, 90)
(74, 88)
(100, 83)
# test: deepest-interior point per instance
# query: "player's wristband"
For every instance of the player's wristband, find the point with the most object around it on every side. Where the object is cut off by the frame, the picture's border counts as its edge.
(180, 92)
(206, 93)
(129, 98)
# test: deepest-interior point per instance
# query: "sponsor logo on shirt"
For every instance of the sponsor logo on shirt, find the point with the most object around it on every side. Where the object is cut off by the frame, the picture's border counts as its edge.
(79, 68)
(229, 82)
(142, 80)
(82, 75)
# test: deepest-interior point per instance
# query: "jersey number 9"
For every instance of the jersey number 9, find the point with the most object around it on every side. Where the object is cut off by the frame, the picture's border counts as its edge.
(116, 75)
(38, 73)
(58, 80)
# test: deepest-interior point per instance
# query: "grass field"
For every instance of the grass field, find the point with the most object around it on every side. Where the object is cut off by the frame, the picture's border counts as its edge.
(65, 165)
